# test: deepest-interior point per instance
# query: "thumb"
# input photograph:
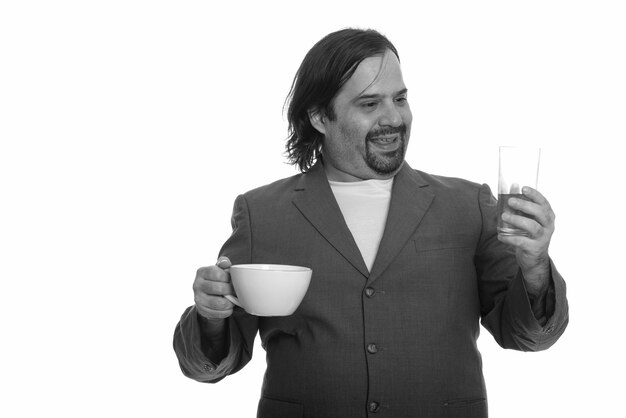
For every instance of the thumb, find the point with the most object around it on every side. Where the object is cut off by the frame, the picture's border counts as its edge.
(223, 262)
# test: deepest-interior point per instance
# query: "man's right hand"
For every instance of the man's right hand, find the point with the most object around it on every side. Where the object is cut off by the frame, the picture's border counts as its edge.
(209, 288)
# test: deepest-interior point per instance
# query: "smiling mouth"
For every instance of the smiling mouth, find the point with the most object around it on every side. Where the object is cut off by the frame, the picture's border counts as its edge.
(385, 139)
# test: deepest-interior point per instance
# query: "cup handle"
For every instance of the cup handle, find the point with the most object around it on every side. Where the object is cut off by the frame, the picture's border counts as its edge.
(233, 299)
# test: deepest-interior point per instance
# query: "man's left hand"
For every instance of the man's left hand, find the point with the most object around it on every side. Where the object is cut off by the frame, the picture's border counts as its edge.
(532, 250)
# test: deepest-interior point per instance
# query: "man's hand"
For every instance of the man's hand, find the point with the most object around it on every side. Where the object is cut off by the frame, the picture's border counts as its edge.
(209, 288)
(532, 251)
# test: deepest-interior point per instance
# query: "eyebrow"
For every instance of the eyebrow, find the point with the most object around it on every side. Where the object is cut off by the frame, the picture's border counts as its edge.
(377, 96)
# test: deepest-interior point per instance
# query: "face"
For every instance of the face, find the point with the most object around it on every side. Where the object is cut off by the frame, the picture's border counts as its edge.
(368, 136)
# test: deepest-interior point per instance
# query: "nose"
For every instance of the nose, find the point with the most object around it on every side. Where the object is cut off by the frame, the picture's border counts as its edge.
(391, 116)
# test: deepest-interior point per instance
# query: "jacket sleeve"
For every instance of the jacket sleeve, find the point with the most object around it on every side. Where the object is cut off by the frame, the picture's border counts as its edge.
(194, 358)
(505, 306)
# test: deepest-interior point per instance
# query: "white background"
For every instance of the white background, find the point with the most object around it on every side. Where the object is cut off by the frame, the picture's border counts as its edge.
(127, 128)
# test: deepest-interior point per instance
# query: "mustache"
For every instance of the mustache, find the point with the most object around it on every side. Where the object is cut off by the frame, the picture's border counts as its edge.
(388, 130)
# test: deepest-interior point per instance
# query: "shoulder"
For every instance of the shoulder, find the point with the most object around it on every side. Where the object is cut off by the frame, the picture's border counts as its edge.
(455, 192)
(275, 190)
(446, 184)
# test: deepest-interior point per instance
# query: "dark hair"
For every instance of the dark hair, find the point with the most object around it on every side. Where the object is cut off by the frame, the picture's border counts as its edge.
(324, 70)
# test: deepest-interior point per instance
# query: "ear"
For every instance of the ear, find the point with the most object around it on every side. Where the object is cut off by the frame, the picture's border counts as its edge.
(318, 120)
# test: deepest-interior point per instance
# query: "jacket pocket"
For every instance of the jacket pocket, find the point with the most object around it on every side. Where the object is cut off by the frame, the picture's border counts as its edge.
(275, 408)
(444, 242)
(463, 402)
(465, 408)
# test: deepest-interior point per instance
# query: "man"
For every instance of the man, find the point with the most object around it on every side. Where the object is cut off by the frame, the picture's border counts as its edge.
(405, 264)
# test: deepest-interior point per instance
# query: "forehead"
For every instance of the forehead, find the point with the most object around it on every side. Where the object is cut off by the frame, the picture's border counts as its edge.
(380, 74)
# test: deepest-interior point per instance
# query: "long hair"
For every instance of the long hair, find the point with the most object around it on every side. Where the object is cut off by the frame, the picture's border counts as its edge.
(324, 70)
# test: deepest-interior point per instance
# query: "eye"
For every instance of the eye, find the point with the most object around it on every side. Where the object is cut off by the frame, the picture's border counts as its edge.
(401, 99)
(369, 105)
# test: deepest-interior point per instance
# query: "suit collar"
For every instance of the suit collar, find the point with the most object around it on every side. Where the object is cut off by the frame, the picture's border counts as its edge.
(315, 200)
(410, 199)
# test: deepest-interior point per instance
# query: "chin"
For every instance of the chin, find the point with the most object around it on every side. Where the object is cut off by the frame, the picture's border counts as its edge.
(386, 168)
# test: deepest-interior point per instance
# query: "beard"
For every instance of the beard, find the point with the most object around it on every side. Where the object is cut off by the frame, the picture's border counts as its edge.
(386, 162)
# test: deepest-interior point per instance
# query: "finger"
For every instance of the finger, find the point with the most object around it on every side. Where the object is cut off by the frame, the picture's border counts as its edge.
(213, 303)
(223, 262)
(213, 273)
(531, 226)
(518, 241)
(542, 213)
(214, 307)
(535, 196)
(213, 288)
(212, 313)
(526, 206)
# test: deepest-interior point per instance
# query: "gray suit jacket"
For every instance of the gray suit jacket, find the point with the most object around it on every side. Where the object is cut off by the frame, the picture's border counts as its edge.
(399, 341)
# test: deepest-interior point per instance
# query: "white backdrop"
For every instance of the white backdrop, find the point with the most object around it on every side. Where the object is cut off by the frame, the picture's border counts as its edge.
(127, 128)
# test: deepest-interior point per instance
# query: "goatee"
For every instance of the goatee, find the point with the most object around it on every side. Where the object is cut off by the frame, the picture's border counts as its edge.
(386, 162)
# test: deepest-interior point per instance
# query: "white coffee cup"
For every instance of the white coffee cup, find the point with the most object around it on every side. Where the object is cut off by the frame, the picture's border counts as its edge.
(269, 289)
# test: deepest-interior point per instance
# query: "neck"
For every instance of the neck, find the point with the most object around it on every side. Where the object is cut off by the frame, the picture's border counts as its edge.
(335, 174)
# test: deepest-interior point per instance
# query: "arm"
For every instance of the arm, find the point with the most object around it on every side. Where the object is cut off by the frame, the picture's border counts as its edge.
(531, 251)
(197, 358)
(523, 303)
(213, 339)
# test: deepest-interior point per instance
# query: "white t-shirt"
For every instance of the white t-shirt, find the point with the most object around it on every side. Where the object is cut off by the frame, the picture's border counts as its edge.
(364, 205)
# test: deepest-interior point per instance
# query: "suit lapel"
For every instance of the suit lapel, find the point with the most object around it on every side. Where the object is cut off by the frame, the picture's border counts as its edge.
(315, 200)
(410, 200)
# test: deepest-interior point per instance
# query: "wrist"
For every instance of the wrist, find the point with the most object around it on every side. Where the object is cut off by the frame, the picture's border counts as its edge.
(537, 278)
(214, 338)
(213, 327)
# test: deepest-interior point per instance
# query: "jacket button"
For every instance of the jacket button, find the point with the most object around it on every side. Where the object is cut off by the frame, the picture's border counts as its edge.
(372, 349)
(369, 292)
(374, 407)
